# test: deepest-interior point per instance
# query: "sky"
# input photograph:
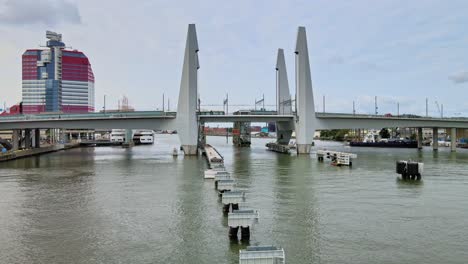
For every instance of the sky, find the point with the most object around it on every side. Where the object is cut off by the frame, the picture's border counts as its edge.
(400, 51)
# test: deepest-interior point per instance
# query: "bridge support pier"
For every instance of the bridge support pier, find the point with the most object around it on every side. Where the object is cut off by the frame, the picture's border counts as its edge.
(27, 138)
(57, 135)
(283, 133)
(15, 138)
(201, 134)
(190, 150)
(128, 138)
(420, 137)
(453, 139)
(435, 138)
(37, 138)
(62, 135)
(241, 134)
(53, 133)
(303, 148)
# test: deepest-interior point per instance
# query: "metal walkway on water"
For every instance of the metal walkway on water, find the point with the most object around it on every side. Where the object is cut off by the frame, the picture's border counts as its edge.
(238, 218)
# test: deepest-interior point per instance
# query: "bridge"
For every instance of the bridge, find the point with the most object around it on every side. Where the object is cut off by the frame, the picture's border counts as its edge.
(123, 120)
(160, 120)
(188, 119)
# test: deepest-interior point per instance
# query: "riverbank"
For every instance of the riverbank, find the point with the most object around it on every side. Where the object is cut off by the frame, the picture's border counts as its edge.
(23, 153)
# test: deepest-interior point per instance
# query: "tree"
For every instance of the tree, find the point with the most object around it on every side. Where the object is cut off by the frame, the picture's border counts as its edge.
(334, 134)
(384, 133)
(340, 134)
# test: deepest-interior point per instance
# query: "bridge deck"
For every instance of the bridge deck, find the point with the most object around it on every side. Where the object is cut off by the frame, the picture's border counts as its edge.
(133, 120)
(165, 120)
(350, 121)
(244, 118)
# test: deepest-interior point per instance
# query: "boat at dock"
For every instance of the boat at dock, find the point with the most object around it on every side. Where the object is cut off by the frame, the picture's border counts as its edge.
(391, 143)
(117, 135)
(143, 137)
(373, 139)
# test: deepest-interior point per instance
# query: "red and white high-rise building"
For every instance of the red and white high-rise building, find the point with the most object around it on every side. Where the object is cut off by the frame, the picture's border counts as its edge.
(57, 79)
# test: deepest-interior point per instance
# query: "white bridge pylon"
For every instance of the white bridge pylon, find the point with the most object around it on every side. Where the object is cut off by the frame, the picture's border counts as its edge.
(305, 115)
(305, 111)
(187, 122)
(283, 101)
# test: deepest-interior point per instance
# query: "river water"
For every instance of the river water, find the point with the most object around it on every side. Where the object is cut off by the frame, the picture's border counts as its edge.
(141, 205)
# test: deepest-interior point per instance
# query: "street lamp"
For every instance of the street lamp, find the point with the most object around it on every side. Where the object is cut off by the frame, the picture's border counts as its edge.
(104, 106)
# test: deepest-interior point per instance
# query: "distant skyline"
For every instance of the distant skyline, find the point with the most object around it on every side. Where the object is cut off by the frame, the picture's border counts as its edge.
(399, 51)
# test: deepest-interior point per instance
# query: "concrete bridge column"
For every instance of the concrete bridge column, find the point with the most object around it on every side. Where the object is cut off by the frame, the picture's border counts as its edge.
(283, 132)
(187, 121)
(201, 134)
(33, 138)
(61, 137)
(128, 138)
(435, 138)
(453, 139)
(15, 138)
(37, 138)
(21, 138)
(27, 138)
(52, 135)
(420, 137)
(241, 134)
(305, 114)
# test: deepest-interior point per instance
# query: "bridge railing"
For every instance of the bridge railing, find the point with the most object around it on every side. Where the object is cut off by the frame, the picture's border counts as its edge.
(54, 116)
(404, 116)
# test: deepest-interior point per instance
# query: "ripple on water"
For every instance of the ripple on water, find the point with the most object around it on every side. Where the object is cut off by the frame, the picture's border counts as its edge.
(141, 205)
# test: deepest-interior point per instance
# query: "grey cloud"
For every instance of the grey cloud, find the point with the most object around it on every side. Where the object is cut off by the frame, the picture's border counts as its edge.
(46, 12)
(459, 77)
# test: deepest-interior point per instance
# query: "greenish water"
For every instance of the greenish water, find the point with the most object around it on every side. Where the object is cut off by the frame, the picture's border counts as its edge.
(141, 205)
